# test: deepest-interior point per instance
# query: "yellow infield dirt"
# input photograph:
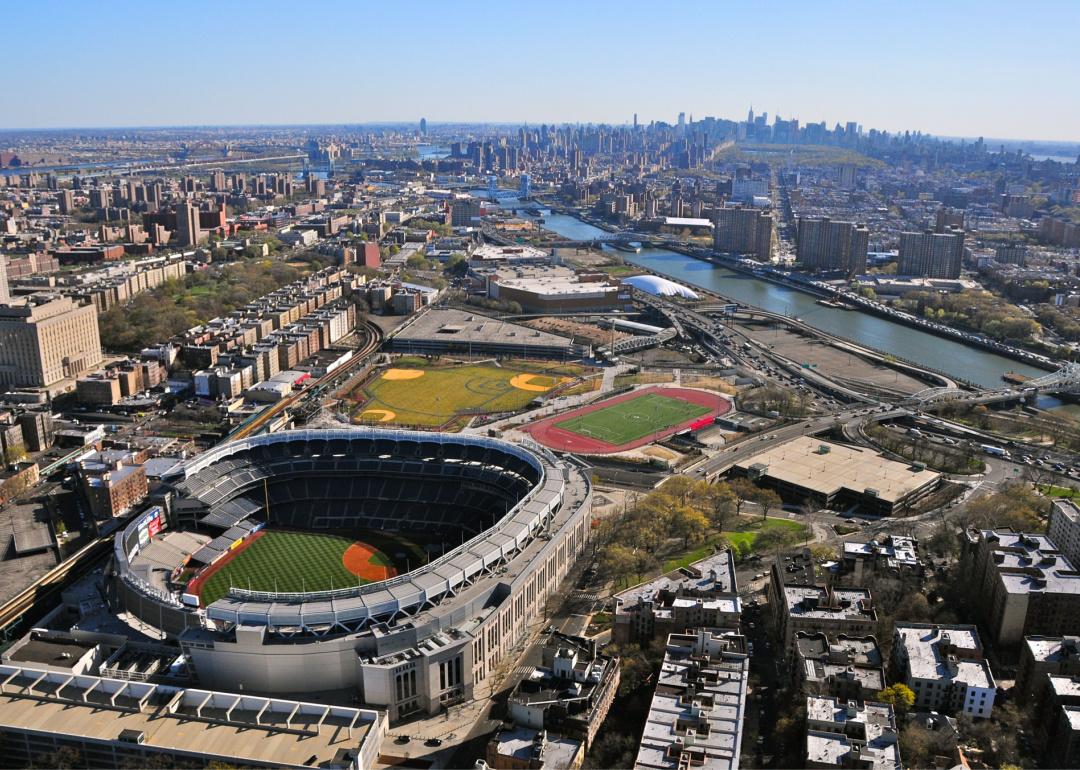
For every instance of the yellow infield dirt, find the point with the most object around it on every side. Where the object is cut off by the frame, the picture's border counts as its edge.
(382, 415)
(524, 382)
(402, 374)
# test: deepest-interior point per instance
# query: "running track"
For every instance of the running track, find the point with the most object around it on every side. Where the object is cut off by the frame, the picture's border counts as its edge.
(553, 437)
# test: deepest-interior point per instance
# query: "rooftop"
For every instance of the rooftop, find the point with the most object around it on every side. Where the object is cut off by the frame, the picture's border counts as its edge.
(244, 729)
(945, 653)
(459, 326)
(818, 602)
(699, 704)
(851, 735)
(827, 468)
(1048, 649)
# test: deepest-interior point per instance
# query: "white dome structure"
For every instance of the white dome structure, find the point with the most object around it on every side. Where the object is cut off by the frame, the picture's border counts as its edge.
(660, 287)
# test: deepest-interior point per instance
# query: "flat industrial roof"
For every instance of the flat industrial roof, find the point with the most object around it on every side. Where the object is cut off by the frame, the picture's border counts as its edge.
(800, 462)
(451, 325)
(242, 728)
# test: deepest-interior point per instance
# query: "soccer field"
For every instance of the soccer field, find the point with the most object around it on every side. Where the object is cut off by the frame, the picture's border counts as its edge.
(308, 561)
(433, 396)
(628, 421)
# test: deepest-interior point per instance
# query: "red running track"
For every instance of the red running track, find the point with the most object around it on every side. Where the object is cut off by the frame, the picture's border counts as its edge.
(553, 437)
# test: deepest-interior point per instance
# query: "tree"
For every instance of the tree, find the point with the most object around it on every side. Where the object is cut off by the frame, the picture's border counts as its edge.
(768, 500)
(680, 488)
(689, 524)
(1015, 506)
(899, 696)
(722, 505)
(457, 265)
(744, 491)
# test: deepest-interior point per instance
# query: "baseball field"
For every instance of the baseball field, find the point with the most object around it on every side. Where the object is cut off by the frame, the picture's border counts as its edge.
(287, 561)
(412, 393)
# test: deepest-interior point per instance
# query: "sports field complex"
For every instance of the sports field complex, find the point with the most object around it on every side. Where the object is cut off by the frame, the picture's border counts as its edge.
(415, 393)
(629, 420)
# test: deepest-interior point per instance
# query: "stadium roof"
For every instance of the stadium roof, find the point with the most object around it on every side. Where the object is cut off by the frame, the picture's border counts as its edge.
(662, 287)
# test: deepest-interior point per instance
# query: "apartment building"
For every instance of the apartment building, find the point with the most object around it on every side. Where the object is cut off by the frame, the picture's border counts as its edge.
(931, 255)
(824, 245)
(1064, 528)
(851, 734)
(743, 231)
(1026, 585)
(844, 667)
(945, 667)
(697, 711)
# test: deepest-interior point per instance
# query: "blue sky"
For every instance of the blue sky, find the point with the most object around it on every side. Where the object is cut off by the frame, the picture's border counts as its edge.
(999, 69)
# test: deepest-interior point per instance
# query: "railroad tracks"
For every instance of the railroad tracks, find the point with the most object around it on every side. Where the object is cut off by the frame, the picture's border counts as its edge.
(253, 426)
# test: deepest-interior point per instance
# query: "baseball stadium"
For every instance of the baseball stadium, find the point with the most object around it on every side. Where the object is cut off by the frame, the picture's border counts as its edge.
(401, 565)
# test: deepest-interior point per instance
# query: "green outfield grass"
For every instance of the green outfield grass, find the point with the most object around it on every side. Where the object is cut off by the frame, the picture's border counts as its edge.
(304, 561)
(633, 419)
(439, 394)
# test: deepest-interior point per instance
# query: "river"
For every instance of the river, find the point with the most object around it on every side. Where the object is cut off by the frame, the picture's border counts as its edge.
(954, 358)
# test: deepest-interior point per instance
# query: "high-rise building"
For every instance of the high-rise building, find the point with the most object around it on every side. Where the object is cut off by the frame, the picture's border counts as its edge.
(188, 232)
(948, 217)
(743, 231)
(66, 201)
(526, 187)
(45, 340)
(825, 245)
(423, 126)
(5, 295)
(217, 181)
(931, 255)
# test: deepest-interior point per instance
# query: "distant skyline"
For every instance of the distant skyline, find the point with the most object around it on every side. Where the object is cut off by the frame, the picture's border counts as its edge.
(994, 69)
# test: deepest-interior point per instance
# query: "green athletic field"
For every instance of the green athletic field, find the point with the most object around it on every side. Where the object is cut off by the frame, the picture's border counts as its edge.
(633, 419)
(412, 393)
(303, 561)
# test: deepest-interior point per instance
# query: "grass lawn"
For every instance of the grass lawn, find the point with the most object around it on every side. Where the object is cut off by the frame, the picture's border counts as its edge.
(747, 533)
(410, 393)
(634, 419)
(1052, 491)
(303, 561)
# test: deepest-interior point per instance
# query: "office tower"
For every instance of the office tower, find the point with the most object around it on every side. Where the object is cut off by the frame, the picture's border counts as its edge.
(5, 295)
(45, 340)
(423, 126)
(824, 245)
(682, 120)
(526, 186)
(187, 224)
(931, 255)
(635, 120)
(743, 231)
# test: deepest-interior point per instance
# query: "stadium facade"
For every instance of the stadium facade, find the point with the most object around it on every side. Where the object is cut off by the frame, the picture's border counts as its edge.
(411, 644)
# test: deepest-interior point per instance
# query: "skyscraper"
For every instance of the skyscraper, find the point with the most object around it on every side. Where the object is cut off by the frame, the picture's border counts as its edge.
(932, 255)
(824, 245)
(423, 126)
